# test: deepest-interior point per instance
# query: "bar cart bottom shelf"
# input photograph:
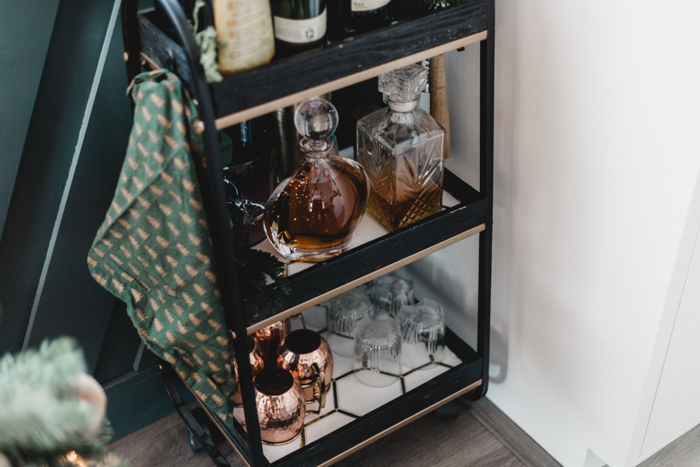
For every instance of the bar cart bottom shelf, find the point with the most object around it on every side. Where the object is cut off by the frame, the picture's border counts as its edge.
(356, 415)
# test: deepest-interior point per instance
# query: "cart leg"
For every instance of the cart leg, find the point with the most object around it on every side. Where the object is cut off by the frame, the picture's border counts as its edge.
(199, 435)
(448, 411)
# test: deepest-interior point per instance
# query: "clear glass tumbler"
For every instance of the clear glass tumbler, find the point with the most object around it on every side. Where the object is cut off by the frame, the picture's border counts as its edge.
(344, 312)
(389, 293)
(423, 334)
(377, 352)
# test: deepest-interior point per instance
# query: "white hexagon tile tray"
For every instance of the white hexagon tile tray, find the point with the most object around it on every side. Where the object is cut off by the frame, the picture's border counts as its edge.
(348, 398)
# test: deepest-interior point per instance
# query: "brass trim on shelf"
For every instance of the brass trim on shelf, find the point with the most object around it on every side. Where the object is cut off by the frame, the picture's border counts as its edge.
(402, 423)
(152, 63)
(271, 106)
(359, 281)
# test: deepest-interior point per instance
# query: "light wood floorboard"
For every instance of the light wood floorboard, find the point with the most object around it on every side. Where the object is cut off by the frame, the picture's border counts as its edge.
(481, 436)
(683, 452)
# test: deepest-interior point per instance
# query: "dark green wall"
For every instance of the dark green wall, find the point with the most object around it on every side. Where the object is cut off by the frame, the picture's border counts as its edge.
(25, 32)
(66, 168)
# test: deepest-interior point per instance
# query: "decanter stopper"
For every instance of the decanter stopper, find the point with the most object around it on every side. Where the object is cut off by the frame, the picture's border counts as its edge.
(403, 85)
(316, 120)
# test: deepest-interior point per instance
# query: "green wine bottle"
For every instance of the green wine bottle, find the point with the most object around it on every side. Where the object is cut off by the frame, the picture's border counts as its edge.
(299, 25)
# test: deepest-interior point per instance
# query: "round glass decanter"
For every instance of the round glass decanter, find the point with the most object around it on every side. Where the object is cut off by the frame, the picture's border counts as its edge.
(312, 215)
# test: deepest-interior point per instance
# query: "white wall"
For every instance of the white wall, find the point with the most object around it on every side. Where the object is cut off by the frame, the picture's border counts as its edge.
(597, 155)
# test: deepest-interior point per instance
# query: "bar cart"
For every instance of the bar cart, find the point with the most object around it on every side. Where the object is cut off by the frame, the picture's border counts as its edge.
(162, 37)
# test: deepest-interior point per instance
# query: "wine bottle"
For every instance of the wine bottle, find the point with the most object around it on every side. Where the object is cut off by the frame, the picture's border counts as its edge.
(299, 25)
(244, 29)
(350, 17)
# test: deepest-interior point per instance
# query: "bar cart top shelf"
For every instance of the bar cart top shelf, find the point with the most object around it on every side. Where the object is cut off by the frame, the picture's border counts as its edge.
(288, 81)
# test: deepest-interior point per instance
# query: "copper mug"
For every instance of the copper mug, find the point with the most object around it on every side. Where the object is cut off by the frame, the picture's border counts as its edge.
(281, 405)
(307, 355)
(256, 364)
(270, 338)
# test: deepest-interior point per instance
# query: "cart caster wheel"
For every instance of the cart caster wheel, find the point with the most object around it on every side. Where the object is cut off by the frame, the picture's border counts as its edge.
(448, 411)
(195, 445)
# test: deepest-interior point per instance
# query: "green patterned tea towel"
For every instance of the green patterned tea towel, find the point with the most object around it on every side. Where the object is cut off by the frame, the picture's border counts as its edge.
(154, 250)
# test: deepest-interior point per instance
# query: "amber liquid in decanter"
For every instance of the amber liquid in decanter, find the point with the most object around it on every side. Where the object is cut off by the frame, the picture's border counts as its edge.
(393, 216)
(319, 215)
(312, 215)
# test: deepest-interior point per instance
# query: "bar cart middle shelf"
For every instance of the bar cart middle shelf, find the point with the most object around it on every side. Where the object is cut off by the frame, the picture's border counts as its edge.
(162, 37)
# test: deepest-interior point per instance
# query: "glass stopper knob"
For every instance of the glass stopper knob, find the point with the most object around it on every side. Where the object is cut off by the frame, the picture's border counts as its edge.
(316, 119)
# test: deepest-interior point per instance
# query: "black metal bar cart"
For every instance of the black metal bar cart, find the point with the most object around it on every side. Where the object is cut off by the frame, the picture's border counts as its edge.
(162, 37)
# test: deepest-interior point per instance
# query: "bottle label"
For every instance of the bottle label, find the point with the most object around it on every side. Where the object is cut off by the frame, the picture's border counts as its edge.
(367, 5)
(244, 29)
(300, 31)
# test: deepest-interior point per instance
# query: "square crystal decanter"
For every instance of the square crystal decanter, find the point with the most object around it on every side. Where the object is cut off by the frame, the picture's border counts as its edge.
(402, 149)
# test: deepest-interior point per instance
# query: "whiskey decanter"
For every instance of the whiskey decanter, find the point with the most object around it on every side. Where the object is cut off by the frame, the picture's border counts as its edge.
(312, 215)
(402, 150)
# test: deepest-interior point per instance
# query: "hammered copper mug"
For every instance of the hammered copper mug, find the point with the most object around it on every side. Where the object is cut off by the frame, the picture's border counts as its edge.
(307, 355)
(256, 364)
(270, 338)
(281, 405)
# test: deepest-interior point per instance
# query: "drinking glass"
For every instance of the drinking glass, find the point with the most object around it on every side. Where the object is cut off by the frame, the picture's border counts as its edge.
(344, 312)
(377, 352)
(389, 293)
(423, 334)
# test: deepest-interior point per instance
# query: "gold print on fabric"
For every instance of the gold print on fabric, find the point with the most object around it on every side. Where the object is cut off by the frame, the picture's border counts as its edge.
(178, 309)
(179, 281)
(124, 224)
(107, 243)
(180, 164)
(214, 324)
(195, 241)
(191, 271)
(134, 243)
(115, 234)
(194, 319)
(206, 308)
(171, 141)
(176, 197)
(146, 114)
(174, 229)
(181, 328)
(164, 121)
(142, 233)
(200, 290)
(142, 148)
(141, 314)
(177, 106)
(153, 222)
(201, 337)
(172, 261)
(132, 163)
(168, 179)
(169, 316)
(137, 182)
(163, 242)
(160, 158)
(184, 251)
(118, 285)
(125, 250)
(116, 259)
(137, 295)
(157, 100)
(127, 277)
(144, 203)
(134, 270)
(185, 218)
(203, 258)
(189, 186)
(161, 271)
(167, 210)
(150, 251)
(153, 137)
(181, 128)
(187, 299)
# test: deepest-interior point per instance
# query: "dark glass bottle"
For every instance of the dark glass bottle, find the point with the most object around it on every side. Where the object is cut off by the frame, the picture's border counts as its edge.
(351, 17)
(299, 25)
(250, 177)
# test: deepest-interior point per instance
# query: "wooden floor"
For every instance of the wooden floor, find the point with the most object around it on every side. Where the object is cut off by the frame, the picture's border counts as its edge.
(481, 436)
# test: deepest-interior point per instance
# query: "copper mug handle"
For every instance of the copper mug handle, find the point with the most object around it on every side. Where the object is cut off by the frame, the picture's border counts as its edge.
(319, 387)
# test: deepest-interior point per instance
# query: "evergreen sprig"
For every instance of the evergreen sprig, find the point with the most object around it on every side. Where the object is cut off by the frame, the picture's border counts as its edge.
(256, 268)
